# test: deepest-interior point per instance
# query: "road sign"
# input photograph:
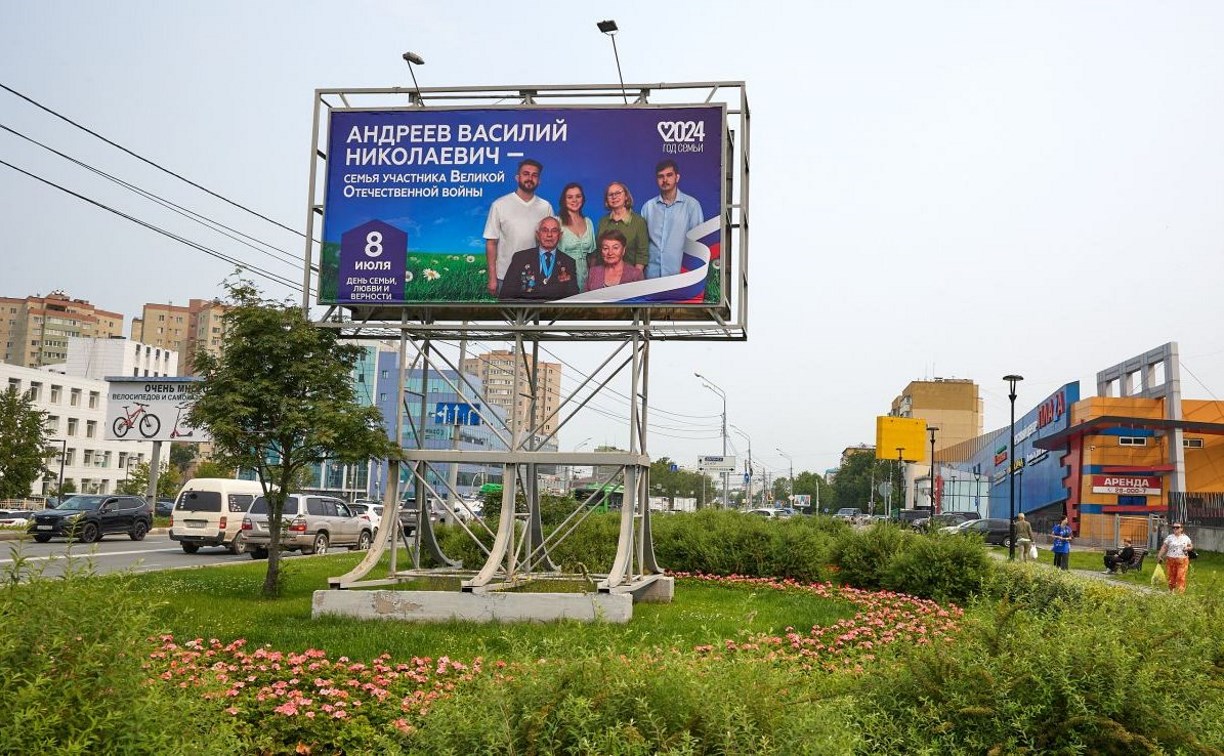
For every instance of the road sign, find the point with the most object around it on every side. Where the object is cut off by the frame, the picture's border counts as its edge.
(714, 463)
(456, 413)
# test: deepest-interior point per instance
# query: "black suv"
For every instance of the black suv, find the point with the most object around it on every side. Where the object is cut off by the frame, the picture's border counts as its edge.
(88, 518)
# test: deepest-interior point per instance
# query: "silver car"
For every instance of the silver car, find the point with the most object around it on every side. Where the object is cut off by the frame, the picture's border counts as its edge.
(310, 524)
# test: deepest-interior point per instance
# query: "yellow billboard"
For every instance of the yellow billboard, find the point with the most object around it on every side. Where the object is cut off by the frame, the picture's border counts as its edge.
(901, 438)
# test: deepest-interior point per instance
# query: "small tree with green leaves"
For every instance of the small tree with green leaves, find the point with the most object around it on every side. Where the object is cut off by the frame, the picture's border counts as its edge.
(23, 444)
(137, 482)
(278, 398)
(211, 468)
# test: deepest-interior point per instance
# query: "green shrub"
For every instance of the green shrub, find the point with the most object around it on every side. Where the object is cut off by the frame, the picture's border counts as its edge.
(709, 541)
(732, 543)
(863, 555)
(72, 654)
(668, 704)
(1123, 674)
(943, 568)
(1036, 587)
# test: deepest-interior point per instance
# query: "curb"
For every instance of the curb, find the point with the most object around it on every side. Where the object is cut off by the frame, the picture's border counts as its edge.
(11, 534)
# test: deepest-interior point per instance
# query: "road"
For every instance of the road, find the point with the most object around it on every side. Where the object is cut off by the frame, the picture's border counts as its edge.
(114, 553)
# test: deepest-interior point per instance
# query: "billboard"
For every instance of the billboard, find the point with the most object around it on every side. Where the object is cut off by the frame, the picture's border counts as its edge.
(150, 409)
(447, 206)
(900, 438)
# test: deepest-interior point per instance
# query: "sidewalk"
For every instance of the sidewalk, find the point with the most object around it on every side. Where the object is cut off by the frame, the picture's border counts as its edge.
(1045, 559)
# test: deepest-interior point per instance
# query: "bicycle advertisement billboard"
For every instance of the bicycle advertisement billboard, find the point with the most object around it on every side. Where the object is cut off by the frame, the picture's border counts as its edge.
(151, 409)
(446, 207)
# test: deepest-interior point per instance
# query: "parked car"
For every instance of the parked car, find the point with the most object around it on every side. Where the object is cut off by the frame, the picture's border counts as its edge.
(942, 520)
(993, 530)
(910, 516)
(370, 511)
(849, 514)
(763, 512)
(209, 512)
(88, 518)
(14, 518)
(311, 524)
(163, 507)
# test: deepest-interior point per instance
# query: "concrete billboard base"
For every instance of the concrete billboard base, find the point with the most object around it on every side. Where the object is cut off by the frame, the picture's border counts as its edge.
(492, 606)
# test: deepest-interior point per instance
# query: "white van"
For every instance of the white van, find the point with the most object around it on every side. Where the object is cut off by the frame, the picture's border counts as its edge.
(209, 512)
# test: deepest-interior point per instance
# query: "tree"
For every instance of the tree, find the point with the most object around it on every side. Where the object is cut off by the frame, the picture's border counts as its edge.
(855, 478)
(809, 483)
(211, 468)
(684, 483)
(137, 482)
(278, 398)
(182, 455)
(23, 444)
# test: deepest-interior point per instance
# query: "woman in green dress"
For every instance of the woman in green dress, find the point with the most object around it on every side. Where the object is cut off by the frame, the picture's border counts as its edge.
(577, 231)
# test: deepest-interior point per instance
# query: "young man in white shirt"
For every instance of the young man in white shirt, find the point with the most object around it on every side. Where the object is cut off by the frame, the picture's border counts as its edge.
(512, 222)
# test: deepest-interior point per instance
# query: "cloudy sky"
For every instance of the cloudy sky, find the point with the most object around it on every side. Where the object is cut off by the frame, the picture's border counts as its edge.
(952, 189)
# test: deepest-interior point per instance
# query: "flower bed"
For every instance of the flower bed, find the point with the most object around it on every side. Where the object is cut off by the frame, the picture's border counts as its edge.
(299, 700)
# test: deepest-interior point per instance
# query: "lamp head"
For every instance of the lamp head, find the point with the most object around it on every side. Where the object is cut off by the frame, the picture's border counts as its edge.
(410, 58)
(607, 27)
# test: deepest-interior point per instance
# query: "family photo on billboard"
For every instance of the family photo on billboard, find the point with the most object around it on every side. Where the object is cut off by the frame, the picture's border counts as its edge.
(452, 206)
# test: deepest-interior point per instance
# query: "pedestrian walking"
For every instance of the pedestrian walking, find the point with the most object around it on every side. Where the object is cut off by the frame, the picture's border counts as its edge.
(1024, 536)
(1062, 544)
(1175, 555)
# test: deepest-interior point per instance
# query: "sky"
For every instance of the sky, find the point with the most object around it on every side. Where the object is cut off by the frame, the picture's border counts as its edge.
(939, 189)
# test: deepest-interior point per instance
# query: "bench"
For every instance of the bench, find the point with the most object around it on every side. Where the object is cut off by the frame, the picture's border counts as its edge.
(1136, 563)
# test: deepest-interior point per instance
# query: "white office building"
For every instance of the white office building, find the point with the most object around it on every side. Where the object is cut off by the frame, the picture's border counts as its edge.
(100, 358)
(77, 408)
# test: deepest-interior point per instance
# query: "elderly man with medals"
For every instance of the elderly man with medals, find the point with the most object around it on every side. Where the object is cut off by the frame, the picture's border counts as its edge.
(542, 272)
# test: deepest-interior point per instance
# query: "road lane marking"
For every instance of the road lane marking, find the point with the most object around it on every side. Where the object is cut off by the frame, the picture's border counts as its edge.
(93, 555)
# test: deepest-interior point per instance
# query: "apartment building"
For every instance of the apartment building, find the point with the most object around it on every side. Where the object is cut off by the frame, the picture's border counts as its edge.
(496, 371)
(187, 330)
(34, 331)
(954, 405)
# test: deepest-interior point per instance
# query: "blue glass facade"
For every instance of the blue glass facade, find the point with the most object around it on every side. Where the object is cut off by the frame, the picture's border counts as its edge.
(1041, 476)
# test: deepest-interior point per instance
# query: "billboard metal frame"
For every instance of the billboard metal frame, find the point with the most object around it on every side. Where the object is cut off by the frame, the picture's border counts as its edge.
(727, 320)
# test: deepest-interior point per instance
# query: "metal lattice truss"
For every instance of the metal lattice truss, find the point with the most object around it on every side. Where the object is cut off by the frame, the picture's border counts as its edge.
(520, 548)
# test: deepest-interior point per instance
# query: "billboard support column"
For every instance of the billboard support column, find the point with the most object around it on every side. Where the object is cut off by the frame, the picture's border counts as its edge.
(154, 470)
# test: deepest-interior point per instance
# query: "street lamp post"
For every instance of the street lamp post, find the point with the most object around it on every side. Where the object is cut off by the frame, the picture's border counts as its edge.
(900, 479)
(932, 429)
(63, 442)
(792, 475)
(748, 474)
(569, 469)
(714, 387)
(1012, 380)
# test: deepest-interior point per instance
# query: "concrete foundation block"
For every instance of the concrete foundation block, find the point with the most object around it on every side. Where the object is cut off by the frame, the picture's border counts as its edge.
(493, 606)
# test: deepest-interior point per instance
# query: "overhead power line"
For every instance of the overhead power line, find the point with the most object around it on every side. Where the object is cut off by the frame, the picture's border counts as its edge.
(215, 225)
(147, 161)
(294, 285)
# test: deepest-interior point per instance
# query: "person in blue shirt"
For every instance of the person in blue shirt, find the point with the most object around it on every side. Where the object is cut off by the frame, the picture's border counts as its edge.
(669, 218)
(1062, 544)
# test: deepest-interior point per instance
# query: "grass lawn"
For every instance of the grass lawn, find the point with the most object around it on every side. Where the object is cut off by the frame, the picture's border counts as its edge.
(226, 604)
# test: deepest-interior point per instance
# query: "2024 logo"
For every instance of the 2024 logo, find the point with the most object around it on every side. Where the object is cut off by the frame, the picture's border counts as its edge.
(682, 131)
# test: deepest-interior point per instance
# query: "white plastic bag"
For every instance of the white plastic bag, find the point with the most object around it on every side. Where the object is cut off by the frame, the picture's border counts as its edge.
(1033, 552)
